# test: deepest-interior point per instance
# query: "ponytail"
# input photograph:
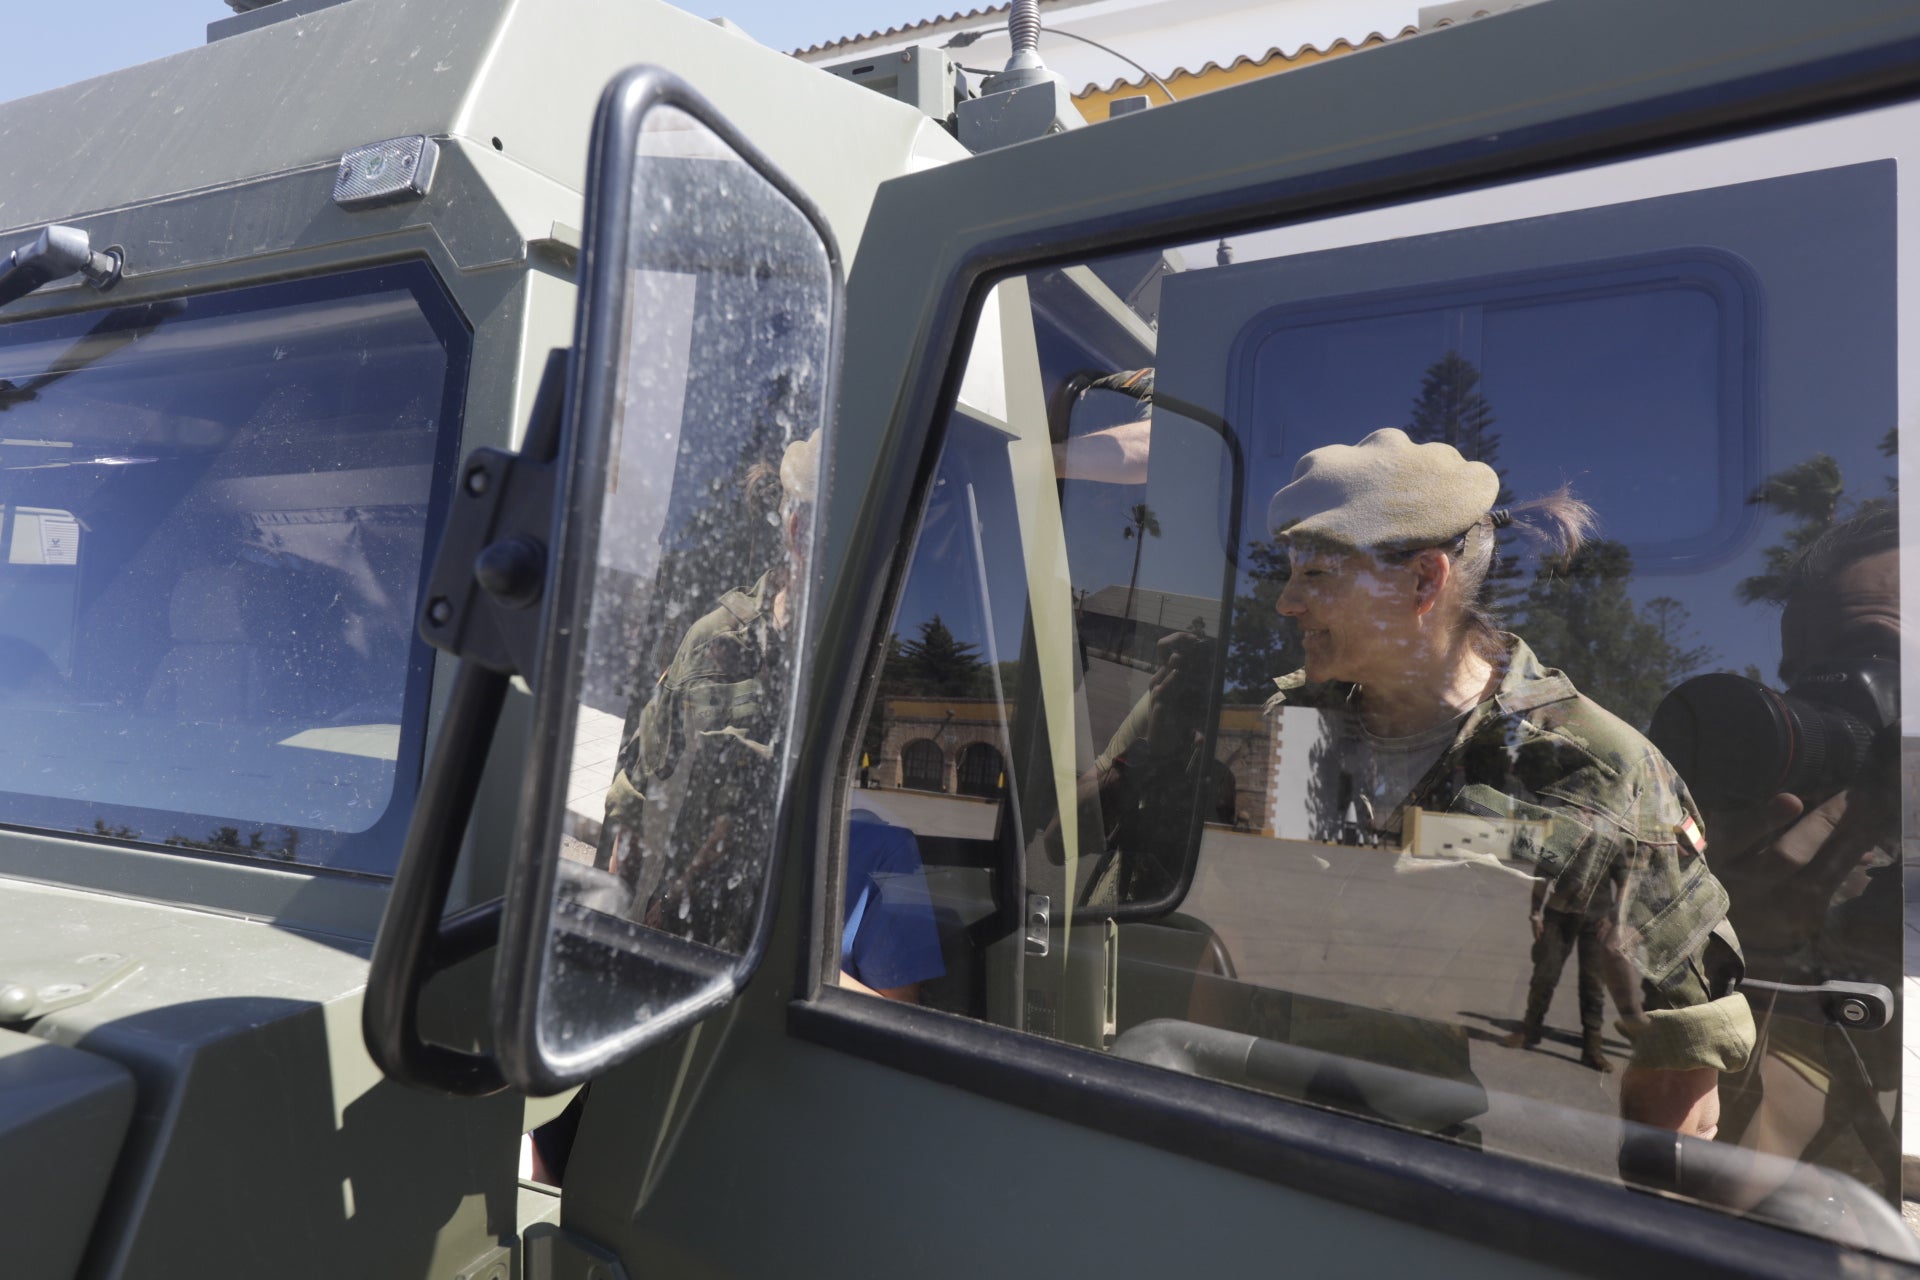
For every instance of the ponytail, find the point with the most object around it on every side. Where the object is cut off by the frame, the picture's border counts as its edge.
(1558, 522)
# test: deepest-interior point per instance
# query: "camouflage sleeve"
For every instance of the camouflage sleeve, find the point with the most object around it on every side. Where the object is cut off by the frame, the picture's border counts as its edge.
(1718, 1034)
(1618, 837)
(1669, 921)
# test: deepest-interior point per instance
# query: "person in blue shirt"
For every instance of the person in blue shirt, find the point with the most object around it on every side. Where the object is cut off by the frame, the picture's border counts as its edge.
(889, 944)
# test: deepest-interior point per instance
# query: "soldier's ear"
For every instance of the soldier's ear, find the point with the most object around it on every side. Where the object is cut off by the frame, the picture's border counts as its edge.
(1432, 571)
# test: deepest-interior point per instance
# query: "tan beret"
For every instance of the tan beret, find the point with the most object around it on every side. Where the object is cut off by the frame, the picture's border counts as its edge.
(1385, 492)
(800, 470)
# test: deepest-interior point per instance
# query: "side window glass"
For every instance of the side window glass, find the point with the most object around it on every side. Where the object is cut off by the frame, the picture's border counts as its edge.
(215, 514)
(1376, 667)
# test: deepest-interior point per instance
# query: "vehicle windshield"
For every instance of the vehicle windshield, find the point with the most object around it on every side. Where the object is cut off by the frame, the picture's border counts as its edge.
(213, 512)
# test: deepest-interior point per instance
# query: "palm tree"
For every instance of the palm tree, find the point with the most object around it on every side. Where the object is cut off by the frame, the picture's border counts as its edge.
(1141, 525)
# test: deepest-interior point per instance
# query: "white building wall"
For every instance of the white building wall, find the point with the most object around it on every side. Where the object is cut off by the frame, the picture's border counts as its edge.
(1164, 36)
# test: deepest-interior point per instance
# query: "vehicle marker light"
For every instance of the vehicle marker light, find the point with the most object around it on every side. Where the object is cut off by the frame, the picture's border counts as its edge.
(385, 172)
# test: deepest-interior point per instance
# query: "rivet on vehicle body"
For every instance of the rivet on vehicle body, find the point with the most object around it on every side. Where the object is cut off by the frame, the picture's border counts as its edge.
(15, 1002)
(440, 611)
(477, 481)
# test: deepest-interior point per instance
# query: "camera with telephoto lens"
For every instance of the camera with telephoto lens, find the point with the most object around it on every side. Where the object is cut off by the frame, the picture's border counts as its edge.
(1737, 743)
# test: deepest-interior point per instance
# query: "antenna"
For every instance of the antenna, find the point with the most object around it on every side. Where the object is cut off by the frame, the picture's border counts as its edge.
(1022, 102)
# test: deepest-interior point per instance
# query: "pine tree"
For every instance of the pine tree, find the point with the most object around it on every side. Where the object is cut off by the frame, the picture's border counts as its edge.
(1671, 622)
(1451, 409)
(1582, 620)
(936, 665)
(1260, 643)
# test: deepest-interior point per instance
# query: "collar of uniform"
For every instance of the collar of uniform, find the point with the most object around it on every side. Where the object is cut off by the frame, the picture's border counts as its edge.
(1527, 684)
(747, 605)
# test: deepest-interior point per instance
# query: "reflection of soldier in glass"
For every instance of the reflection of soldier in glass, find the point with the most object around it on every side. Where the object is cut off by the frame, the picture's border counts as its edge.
(1815, 878)
(689, 816)
(1556, 934)
(1437, 710)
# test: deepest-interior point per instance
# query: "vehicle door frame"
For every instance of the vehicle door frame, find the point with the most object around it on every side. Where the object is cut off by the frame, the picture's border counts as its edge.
(1510, 114)
(1464, 108)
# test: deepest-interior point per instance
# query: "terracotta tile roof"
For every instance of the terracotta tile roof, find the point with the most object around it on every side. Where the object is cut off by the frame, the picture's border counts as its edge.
(1306, 52)
(939, 20)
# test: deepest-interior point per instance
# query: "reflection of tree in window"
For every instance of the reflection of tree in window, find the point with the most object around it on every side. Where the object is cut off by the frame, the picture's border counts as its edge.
(1450, 408)
(1580, 619)
(980, 770)
(1261, 644)
(1141, 525)
(1813, 494)
(923, 766)
(936, 664)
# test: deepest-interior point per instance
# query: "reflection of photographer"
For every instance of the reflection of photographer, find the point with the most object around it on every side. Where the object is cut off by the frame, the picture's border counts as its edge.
(1156, 767)
(1802, 800)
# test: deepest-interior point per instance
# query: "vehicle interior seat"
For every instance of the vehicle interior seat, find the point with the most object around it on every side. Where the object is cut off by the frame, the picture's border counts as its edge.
(233, 658)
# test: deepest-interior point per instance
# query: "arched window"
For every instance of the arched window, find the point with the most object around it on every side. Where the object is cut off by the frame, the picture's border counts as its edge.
(980, 770)
(923, 766)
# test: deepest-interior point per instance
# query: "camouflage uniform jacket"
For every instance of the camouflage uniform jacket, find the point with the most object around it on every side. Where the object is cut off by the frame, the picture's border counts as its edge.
(1615, 817)
(711, 719)
(715, 687)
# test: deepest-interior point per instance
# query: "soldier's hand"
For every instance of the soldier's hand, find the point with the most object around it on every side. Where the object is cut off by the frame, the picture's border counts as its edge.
(1539, 923)
(1686, 1101)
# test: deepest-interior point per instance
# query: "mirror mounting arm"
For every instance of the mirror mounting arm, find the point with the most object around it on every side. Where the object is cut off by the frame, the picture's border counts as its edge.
(489, 572)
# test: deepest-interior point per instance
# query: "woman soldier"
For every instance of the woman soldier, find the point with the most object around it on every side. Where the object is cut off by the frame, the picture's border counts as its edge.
(1437, 709)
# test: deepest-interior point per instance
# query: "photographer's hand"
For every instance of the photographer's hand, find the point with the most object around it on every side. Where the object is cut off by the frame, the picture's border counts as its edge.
(1785, 864)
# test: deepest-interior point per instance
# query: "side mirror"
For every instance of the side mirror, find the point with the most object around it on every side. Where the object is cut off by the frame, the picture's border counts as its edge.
(678, 627)
(1158, 637)
(666, 634)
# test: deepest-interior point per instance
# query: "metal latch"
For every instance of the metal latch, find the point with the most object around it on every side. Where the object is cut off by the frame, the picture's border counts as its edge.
(1856, 1006)
(31, 989)
(1039, 924)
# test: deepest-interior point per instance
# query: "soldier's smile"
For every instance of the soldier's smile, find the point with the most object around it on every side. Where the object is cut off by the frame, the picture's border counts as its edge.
(1347, 605)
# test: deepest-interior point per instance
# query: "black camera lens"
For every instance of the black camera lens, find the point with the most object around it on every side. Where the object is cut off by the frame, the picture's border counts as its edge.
(1738, 743)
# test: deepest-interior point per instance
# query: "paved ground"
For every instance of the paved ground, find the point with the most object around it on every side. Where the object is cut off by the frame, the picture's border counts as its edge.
(1446, 942)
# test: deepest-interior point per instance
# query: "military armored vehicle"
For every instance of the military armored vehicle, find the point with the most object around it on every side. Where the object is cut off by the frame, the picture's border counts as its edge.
(571, 574)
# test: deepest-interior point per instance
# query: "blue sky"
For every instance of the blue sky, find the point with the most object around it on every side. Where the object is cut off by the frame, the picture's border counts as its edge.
(74, 41)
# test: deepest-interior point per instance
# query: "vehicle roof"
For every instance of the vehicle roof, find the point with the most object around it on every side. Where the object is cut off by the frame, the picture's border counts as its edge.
(299, 92)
